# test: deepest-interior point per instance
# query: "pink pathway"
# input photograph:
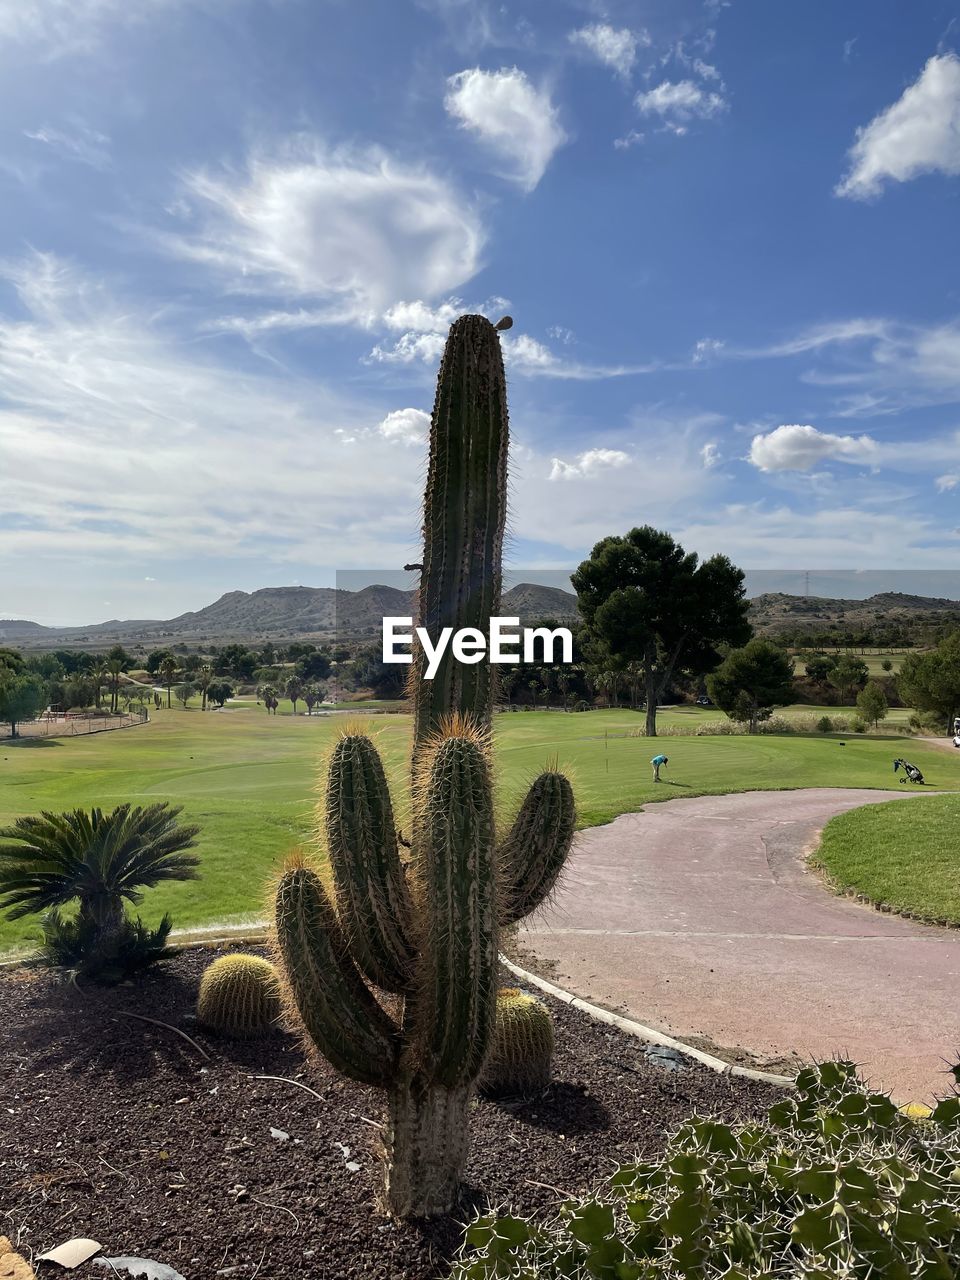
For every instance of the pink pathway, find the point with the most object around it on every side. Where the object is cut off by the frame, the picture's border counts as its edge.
(699, 918)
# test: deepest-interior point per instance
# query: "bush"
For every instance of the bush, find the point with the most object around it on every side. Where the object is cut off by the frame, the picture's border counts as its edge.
(835, 1182)
(825, 725)
(860, 726)
(76, 944)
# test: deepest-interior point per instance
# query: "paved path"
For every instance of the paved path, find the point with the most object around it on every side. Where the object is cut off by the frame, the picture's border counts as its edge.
(699, 918)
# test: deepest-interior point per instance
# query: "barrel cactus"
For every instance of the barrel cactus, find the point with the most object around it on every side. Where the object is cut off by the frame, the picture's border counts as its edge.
(239, 997)
(425, 929)
(521, 1055)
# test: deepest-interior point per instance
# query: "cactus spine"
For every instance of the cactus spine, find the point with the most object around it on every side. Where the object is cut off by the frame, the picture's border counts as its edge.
(239, 996)
(521, 1056)
(427, 930)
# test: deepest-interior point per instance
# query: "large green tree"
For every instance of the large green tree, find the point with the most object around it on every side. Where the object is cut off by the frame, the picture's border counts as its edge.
(849, 674)
(22, 697)
(645, 600)
(751, 681)
(931, 681)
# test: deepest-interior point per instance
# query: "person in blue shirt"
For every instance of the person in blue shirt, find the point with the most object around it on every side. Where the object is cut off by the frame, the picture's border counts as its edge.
(657, 762)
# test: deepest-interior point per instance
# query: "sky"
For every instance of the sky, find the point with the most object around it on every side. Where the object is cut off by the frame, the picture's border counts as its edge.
(233, 234)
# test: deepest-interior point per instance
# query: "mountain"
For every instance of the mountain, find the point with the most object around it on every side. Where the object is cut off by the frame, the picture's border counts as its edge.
(776, 612)
(278, 614)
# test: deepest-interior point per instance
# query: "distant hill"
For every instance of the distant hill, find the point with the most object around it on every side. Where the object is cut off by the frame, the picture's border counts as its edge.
(774, 612)
(275, 613)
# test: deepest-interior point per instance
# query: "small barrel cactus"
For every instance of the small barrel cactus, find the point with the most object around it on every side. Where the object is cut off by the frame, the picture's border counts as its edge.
(239, 997)
(521, 1054)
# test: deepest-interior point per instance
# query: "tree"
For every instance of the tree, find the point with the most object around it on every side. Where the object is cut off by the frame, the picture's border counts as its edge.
(203, 680)
(98, 673)
(312, 694)
(313, 666)
(168, 673)
(155, 660)
(819, 667)
(751, 681)
(931, 681)
(10, 660)
(872, 703)
(644, 599)
(101, 861)
(185, 692)
(887, 665)
(218, 692)
(849, 673)
(294, 691)
(22, 697)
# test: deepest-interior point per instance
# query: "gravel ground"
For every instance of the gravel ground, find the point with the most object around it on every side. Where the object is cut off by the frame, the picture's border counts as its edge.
(117, 1129)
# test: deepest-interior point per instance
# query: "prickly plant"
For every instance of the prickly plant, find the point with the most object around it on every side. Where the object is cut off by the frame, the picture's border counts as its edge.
(425, 930)
(239, 996)
(521, 1055)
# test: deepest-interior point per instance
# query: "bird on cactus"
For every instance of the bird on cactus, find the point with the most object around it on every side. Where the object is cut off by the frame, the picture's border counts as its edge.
(426, 930)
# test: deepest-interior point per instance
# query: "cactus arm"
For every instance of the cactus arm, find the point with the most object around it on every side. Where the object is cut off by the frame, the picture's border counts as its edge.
(339, 1013)
(372, 896)
(463, 522)
(532, 854)
(456, 999)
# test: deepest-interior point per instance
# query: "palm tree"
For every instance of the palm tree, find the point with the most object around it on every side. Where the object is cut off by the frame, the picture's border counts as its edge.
(294, 691)
(101, 861)
(115, 671)
(98, 674)
(168, 673)
(203, 678)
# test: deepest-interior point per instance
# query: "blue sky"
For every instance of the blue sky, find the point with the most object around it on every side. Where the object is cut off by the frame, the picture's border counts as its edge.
(233, 233)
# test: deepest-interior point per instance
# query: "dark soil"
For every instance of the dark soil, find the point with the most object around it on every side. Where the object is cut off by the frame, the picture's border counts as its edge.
(120, 1130)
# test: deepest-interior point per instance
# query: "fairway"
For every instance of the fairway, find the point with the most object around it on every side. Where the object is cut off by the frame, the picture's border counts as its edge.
(251, 781)
(905, 856)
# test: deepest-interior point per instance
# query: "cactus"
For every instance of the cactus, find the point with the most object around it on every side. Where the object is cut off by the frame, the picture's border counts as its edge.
(239, 996)
(522, 1052)
(426, 930)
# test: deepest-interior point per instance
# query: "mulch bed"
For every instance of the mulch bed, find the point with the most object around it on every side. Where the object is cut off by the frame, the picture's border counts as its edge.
(120, 1130)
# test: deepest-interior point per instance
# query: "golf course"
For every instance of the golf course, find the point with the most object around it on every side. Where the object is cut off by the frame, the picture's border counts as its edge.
(250, 781)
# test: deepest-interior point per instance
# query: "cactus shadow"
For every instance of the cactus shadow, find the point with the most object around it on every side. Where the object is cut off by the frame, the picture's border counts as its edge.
(563, 1108)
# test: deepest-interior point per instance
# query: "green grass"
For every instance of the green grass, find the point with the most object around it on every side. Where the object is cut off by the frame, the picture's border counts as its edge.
(904, 855)
(250, 780)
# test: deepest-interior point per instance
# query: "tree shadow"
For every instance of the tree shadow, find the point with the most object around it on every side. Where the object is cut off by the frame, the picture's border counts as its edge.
(23, 744)
(561, 1108)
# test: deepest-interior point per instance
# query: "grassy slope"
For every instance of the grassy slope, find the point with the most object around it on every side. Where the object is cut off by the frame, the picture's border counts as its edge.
(907, 856)
(250, 780)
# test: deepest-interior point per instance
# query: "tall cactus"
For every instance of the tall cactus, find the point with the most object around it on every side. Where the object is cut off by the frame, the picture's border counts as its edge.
(426, 930)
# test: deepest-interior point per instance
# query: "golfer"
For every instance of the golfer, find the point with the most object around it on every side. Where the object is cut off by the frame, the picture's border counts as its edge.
(657, 761)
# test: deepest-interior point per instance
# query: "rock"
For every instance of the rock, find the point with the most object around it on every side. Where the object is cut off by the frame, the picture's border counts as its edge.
(12, 1265)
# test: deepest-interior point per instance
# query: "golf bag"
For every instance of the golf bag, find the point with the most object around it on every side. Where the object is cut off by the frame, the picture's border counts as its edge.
(911, 771)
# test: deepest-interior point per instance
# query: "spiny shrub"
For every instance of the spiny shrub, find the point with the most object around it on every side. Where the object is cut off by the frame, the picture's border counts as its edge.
(521, 1054)
(836, 1182)
(239, 996)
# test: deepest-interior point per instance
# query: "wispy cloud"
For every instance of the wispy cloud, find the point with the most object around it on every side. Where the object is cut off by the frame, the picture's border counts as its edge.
(680, 102)
(615, 47)
(919, 133)
(81, 144)
(512, 117)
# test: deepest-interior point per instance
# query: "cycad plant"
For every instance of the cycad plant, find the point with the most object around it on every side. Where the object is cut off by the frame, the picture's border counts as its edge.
(100, 861)
(425, 930)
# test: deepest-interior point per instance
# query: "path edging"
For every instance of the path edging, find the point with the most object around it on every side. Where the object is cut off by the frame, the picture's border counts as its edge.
(646, 1033)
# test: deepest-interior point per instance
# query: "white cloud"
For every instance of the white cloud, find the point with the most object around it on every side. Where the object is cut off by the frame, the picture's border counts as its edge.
(84, 145)
(89, 389)
(945, 484)
(358, 231)
(409, 426)
(798, 448)
(523, 355)
(919, 134)
(62, 27)
(710, 455)
(588, 464)
(509, 115)
(613, 46)
(678, 102)
(706, 348)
